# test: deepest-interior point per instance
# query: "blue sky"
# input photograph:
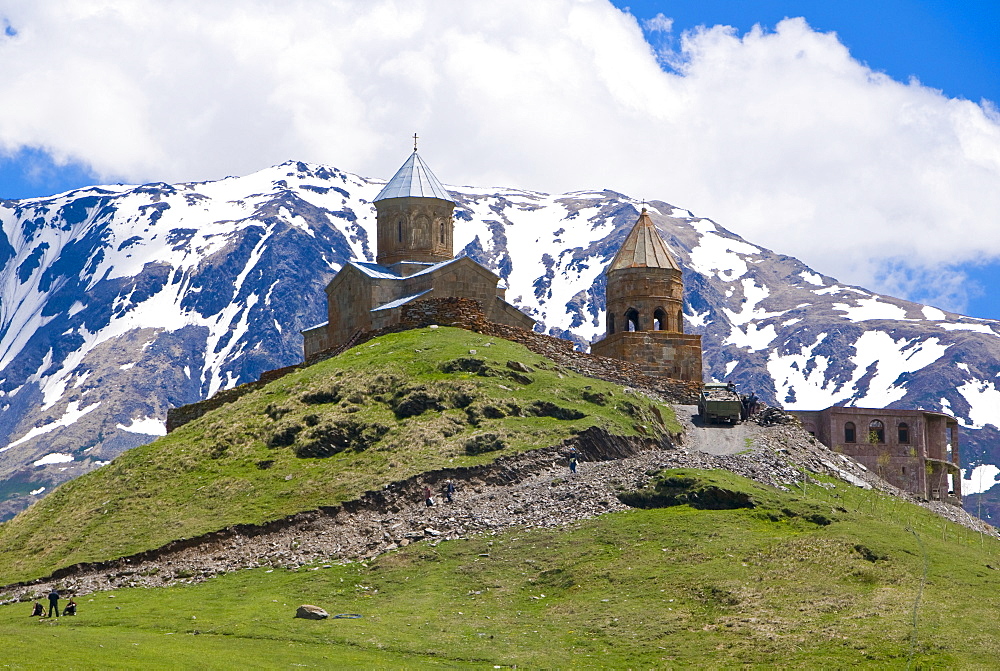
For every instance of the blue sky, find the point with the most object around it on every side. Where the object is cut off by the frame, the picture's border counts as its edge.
(952, 45)
(807, 137)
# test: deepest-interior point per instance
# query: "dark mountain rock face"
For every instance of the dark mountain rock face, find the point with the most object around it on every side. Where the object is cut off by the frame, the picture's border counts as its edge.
(120, 302)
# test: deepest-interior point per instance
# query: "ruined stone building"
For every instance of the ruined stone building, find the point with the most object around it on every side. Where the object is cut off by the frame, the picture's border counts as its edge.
(645, 308)
(414, 261)
(915, 450)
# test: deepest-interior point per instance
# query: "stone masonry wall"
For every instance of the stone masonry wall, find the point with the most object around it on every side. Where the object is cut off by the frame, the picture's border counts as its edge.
(177, 417)
(657, 353)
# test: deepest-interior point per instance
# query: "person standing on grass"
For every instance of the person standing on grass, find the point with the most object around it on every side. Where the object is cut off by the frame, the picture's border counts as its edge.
(54, 602)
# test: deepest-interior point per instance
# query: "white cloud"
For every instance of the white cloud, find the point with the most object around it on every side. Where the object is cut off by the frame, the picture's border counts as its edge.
(781, 136)
(659, 24)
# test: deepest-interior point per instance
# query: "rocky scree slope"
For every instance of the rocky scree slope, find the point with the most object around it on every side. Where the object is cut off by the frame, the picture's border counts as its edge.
(528, 490)
(118, 302)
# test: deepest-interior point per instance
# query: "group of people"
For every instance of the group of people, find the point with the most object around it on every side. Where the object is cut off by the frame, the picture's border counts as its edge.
(39, 611)
(447, 493)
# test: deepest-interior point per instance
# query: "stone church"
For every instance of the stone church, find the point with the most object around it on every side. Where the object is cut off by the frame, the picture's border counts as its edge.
(645, 308)
(415, 261)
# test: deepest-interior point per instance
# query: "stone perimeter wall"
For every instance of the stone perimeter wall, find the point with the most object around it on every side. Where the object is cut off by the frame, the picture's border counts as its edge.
(468, 314)
(187, 413)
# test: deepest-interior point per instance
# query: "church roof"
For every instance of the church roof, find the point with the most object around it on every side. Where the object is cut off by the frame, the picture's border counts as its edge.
(380, 272)
(643, 248)
(401, 301)
(414, 179)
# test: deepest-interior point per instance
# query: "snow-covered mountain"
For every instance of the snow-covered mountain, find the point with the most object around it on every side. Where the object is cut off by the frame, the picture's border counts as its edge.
(119, 302)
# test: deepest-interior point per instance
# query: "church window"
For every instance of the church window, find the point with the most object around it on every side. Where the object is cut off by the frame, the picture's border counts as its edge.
(680, 321)
(442, 233)
(904, 433)
(632, 319)
(850, 434)
(660, 320)
(876, 432)
(611, 323)
(399, 230)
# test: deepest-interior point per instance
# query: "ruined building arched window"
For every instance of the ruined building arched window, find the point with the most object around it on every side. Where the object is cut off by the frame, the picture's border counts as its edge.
(660, 320)
(903, 431)
(680, 321)
(632, 319)
(611, 323)
(876, 432)
(850, 434)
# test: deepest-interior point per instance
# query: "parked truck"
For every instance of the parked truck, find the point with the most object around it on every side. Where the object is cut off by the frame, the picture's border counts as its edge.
(719, 402)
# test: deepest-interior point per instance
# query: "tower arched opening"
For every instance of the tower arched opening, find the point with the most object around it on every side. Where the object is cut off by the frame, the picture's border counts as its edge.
(660, 320)
(632, 319)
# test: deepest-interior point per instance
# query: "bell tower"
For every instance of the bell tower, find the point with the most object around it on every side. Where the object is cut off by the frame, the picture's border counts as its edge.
(644, 286)
(414, 216)
(645, 317)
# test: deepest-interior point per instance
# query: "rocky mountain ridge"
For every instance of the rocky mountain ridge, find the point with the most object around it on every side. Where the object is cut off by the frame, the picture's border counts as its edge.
(119, 302)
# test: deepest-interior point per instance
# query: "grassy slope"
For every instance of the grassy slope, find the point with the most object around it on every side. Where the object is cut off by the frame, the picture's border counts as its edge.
(641, 589)
(219, 471)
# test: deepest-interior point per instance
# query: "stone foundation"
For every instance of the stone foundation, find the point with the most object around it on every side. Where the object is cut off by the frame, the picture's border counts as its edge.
(657, 353)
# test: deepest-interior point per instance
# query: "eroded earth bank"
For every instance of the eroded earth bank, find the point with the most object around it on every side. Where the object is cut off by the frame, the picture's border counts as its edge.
(532, 489)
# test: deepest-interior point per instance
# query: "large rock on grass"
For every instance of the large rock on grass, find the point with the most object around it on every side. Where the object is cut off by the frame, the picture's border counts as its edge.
(307, 612)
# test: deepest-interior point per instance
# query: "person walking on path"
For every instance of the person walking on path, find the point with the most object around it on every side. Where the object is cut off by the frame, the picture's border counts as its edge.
(449, 489)
(428, 499)
(572, 459)
(54, 602)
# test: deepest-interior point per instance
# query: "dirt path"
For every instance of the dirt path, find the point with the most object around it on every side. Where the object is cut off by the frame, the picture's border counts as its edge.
(718, 439)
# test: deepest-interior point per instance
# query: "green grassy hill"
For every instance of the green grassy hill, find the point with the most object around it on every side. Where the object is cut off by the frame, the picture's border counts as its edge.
(830, 577)
(387, 410)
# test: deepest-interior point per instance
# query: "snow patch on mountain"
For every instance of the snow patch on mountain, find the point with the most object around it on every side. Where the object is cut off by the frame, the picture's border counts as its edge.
(72, 414)
(979, 479)
(802, 378)
(149, 426)
(837, 289)
(984, 403)
(53, 458)
(933, 314)
(975, 328)
(812, 278)
(719, 255)
(870, 308)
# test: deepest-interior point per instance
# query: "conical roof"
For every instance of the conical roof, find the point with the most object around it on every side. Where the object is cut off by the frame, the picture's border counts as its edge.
(414, 179)
(643, 248)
